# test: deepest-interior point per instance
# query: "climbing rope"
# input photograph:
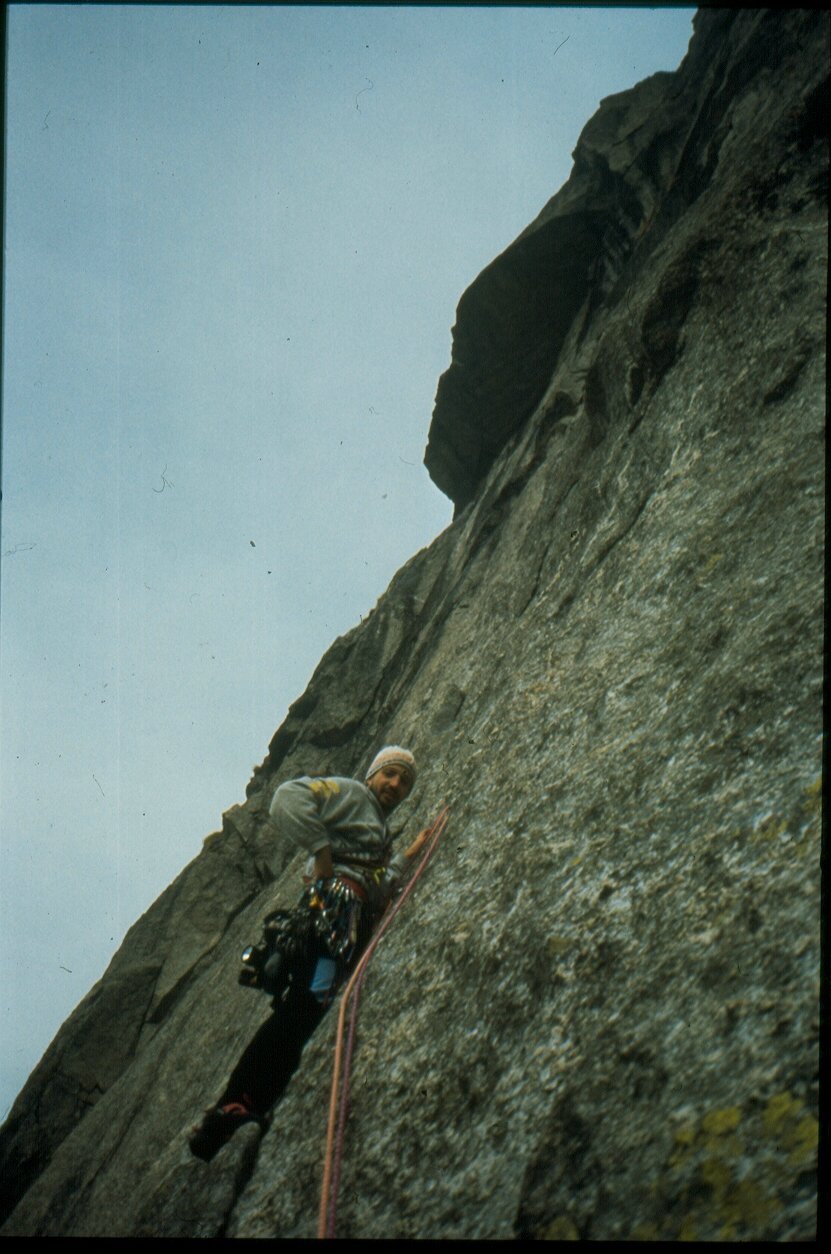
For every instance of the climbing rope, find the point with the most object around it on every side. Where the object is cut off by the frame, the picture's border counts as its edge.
(333, 1155)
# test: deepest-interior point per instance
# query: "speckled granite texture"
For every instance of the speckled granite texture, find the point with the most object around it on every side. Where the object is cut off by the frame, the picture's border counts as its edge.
(597, 1017)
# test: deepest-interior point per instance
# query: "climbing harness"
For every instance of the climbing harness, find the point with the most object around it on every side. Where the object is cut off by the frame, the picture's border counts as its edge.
(285, 949)
(325, 921)
(338, 1101)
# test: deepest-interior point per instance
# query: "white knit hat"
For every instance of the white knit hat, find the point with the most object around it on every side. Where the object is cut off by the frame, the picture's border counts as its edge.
(392, 755)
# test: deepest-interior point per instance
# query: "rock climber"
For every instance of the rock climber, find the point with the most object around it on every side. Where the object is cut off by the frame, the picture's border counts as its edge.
(350, 875)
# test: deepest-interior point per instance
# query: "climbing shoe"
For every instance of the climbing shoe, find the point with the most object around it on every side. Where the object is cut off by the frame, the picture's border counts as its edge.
(218, 1126)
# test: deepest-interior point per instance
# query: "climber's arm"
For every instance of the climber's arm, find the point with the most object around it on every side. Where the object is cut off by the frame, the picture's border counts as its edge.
(414, 848)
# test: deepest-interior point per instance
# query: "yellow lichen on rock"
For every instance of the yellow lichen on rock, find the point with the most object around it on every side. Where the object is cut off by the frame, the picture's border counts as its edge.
(812, 799)
(645, 1232)
(722, 1200)
(743, 1207)
(560, 1229)
(770, 828)
(787, 1123)
(719, 1122)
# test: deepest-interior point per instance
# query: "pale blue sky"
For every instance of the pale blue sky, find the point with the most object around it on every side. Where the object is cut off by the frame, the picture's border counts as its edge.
(235, 239)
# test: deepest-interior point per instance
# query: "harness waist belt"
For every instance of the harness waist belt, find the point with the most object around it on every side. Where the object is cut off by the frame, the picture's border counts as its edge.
(358, 889)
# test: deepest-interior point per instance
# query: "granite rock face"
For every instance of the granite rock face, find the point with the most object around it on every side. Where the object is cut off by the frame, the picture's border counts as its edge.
(639, 167)
(597, 1016)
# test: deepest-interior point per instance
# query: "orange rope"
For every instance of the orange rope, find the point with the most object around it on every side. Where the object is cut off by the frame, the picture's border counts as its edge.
(326, 1214)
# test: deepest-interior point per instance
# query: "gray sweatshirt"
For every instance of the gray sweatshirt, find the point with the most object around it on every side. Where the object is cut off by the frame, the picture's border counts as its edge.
(343, 813)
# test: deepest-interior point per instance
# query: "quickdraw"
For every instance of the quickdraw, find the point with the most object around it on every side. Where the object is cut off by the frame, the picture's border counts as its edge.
(326, 919)
(337, 913)
(333, 1154)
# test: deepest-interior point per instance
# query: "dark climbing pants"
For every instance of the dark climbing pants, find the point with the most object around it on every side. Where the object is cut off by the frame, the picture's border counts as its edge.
(271, 1058)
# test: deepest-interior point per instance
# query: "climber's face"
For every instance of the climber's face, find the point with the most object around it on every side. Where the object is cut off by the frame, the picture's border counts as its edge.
(391, 785)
